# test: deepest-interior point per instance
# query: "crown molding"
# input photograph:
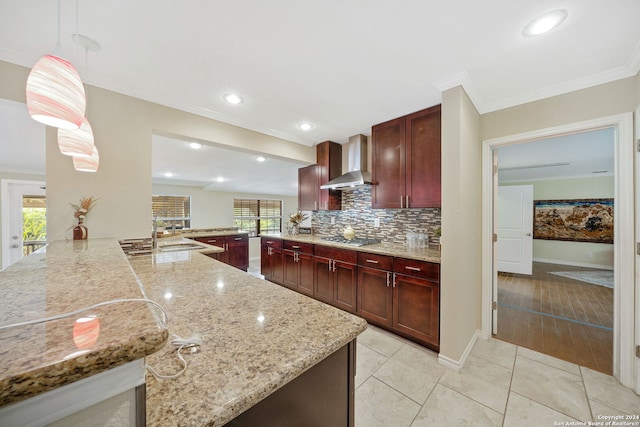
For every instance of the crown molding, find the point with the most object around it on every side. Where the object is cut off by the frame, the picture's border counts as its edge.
(462, 78)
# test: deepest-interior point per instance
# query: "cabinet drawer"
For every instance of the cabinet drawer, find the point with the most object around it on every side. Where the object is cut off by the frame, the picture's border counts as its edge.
(382, 262)
(343, 255)
(422, 269)
(274, 243)
(212, 240)
(301, 247)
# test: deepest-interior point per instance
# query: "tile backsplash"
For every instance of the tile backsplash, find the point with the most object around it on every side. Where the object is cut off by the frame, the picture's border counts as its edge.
(394, 223)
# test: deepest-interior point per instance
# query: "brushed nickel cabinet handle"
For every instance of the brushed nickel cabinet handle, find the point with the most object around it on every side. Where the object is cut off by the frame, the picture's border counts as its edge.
(394, 280)
(401, 198)
(388, 278)
(372, 261)
(407, 200)
(238, 238)
(295, 247)
(412, 268)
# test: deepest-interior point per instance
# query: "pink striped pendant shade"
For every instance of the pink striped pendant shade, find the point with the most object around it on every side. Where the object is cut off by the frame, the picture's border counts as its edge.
(55, 94)
(76, 142)
(87, 164)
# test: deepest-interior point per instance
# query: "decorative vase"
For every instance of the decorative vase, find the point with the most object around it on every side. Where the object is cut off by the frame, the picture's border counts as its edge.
(80, 232)
(349, 233)
(295, 230)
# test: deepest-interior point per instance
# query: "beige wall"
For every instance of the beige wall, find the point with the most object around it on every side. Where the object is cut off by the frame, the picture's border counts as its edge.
(123, 127)
(586, 104)
(573, 253)
(460, 288)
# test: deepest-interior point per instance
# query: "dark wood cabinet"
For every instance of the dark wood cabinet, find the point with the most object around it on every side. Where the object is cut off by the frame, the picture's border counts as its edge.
(310, 178)
(401, 295)
(406, 161)
(416, 301)
(271, 260)
(236, 249)
(375, 293)
(335, 277)
(298, 266)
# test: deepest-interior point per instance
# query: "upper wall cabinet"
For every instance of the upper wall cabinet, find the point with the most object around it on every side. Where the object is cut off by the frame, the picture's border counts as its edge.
(406, 161)
(310, 178)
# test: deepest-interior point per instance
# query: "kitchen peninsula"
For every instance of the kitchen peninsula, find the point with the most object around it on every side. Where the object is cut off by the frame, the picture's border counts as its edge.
(266, 354)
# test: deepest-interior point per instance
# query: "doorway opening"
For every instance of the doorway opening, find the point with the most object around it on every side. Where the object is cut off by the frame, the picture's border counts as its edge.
(24, 224)
(555, 247)
(623, 360)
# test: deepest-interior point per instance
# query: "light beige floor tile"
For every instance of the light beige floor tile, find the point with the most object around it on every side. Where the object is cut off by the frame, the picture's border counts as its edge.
(603, 413)
(381, 341)
(552, 387)
(367, 362)
(413, 382)
(496, 351)
(524, 412)
(416, 356)
(378, 405)
(549, 360)
(606, 390)
(486, 382)
(446, 407)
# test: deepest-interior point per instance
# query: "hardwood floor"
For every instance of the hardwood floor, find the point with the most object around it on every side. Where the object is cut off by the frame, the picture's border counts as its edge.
(561, 317)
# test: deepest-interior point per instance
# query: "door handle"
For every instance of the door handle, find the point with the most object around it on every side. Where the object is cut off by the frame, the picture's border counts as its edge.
(15, 246)
(528, 234)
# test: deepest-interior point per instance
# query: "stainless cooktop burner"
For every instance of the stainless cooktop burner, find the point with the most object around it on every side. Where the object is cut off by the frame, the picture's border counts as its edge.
(358, 241)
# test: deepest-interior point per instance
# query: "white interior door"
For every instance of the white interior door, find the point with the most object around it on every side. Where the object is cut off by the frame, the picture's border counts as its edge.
(515, 229)
(13, 193)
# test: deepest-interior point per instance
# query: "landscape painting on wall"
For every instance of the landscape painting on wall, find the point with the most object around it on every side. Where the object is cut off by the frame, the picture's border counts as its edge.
(582, 220)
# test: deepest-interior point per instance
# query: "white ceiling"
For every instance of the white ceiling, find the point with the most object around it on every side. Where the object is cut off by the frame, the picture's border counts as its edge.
(342, 65)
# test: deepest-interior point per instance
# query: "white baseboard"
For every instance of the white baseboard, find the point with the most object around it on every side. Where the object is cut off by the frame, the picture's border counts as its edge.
(457, 365)
(573, 264)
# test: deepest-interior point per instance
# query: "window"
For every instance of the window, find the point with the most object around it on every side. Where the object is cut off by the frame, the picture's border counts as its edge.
(257, 216)
(172, 211)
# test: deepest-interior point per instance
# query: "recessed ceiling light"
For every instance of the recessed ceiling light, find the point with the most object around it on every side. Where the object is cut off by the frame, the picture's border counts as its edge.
(232, 98)
(168, 174)
(220, 179)
(260, 159)
(305, 126)
(195, 145)
(544, 23)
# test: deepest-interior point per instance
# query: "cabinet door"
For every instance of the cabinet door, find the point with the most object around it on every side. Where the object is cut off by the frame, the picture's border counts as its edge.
(323, 280)
(344, 286)
(266, 267)
(416, 308)
(277, 264)
(238, 252)
(423, 135)
(329, 158)
(374, 295)
(388, 164)
(218, 241)
(290, 265)
(305, 276)
(308, 188)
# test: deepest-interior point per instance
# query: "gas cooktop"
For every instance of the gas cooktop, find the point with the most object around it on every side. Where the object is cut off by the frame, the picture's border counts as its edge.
(357, 241)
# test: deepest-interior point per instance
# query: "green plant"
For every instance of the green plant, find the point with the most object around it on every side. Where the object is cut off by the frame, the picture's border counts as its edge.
(34, 224)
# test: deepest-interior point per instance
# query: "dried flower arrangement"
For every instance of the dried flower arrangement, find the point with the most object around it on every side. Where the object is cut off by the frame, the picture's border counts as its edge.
(81, 210)
(297, 217)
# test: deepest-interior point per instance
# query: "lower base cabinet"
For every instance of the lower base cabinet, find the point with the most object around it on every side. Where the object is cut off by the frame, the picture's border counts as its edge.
(335, 277)
(398, 294)
(236, 249)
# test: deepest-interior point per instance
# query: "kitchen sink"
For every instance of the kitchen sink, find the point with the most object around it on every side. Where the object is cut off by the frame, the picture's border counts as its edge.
(180, 247)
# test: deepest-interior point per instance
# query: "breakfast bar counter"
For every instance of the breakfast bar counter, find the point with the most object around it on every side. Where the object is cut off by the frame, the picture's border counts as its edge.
(256, 339)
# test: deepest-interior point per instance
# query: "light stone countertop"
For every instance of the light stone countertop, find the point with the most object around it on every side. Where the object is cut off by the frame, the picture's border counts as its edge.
(62, 277)
(256, 337)
(390, 249)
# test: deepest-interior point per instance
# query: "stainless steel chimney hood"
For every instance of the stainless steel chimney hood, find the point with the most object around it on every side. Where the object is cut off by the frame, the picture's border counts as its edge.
(358, 176)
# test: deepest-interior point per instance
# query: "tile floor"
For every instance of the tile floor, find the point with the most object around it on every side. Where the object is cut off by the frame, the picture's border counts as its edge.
(399, 383)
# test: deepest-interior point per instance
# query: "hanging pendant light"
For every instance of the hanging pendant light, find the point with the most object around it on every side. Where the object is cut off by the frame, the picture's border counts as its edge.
(87, 164)
(55, 95)
(76, 142)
